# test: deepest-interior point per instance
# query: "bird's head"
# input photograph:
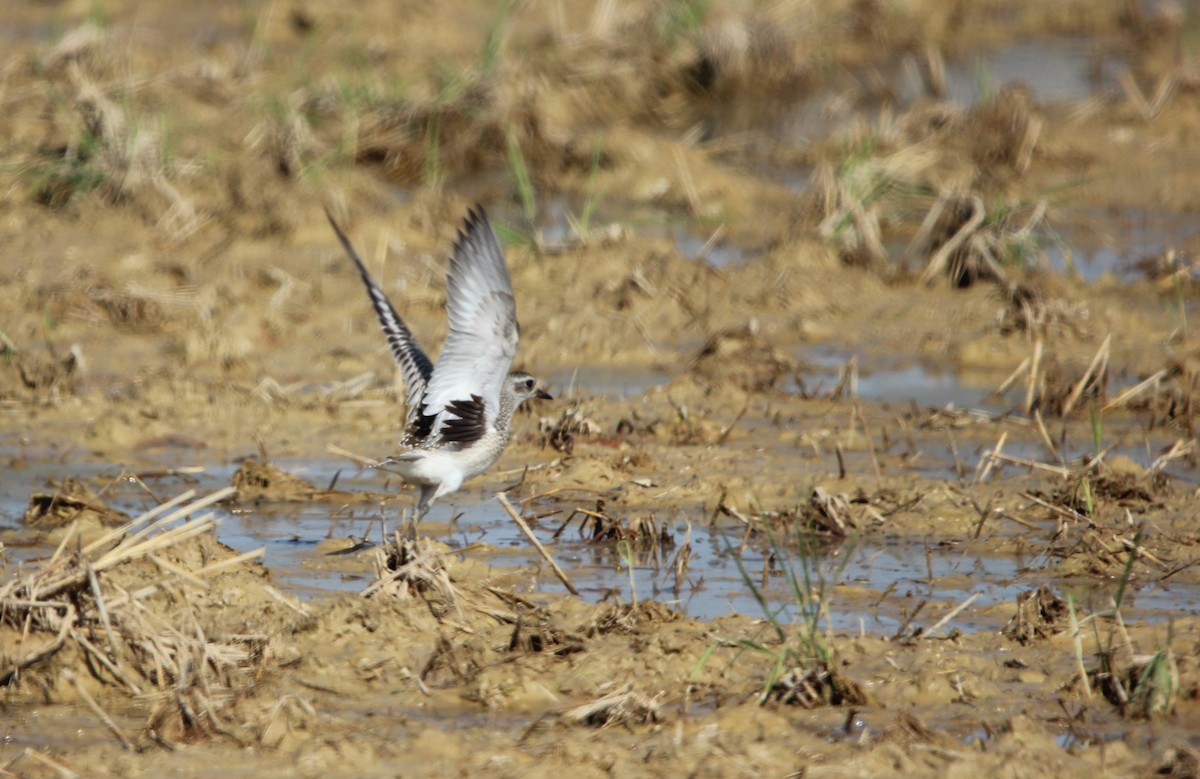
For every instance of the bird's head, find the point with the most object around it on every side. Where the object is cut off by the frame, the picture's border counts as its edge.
(525, 387)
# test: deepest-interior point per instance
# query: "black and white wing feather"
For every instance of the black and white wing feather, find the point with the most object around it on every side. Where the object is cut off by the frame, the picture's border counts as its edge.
(463, 394)
(414, 365)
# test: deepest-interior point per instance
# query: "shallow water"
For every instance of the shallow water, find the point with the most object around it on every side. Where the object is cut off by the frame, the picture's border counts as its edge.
(306, 549)
(563, 218)
(1057, 70)
(1125, 243)
(869, 586)
(907, 383)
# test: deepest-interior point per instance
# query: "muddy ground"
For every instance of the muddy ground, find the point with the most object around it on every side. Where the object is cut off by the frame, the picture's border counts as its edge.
(732, 230)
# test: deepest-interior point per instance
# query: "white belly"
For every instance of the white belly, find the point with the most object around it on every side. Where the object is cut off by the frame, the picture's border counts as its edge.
(448, 469)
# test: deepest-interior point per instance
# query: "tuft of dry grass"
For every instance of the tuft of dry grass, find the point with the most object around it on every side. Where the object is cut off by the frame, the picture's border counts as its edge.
(572, 424)
(1141, 686)
(414, 568)
(70, 601)
(968, 242)
(815, 687)
(1040, 614)
(624, 706)
(1028, 310)
(643, 533)
(96, 144)
(287, 138)
(824, 518)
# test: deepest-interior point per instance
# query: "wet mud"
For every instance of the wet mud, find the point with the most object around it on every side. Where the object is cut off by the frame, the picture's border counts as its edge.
(870, 327)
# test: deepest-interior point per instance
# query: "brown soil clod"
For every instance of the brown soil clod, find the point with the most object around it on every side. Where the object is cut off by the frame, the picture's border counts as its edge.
(572, 424)
(744, 358)
(536, 632)
(630, 618)
(815, 687)
(37, 377)
(73, 500)
(260, 481)
(1039, 615)
(625, 707)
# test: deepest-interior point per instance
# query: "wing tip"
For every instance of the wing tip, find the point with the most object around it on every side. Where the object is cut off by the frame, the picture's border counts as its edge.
(332, 222)
(476, 228)
(344, 240)
(477, 214)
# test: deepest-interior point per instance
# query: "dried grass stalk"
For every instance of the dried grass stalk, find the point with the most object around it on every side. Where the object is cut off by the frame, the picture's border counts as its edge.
(622, 707)
(119, 637)
(407, 568)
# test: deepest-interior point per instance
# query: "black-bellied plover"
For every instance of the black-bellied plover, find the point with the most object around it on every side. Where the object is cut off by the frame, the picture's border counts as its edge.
(460, 408)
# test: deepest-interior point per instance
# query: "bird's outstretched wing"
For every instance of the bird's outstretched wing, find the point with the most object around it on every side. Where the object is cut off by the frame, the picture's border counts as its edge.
(463, 395)
(414, 365)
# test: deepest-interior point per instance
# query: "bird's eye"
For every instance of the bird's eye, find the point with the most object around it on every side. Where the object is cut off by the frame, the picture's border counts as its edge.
(529, 384)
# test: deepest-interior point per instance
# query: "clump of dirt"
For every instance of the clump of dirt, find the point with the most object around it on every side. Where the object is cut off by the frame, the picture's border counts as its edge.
(36, 377)
(629, 618)
(72, 501)
(260, 480)
(573, 423)
(816, 686)
(745, 359)
(622, 707)
(1004, 131)
(1039, 615)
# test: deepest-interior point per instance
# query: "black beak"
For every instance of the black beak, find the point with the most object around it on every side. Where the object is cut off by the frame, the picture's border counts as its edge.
(541, 393)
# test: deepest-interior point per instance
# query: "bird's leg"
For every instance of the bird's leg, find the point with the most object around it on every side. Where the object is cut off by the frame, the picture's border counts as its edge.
(415, 517)
(424, 501)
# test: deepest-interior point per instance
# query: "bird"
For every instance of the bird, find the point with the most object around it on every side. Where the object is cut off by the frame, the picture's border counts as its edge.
(459, 410)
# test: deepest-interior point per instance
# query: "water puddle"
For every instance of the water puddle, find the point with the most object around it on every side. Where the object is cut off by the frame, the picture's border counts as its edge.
(561, 221)
(26, 32)
(1125, 242)
(872, 586)
(1057, 70)
(956, 454)
(927, 387)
